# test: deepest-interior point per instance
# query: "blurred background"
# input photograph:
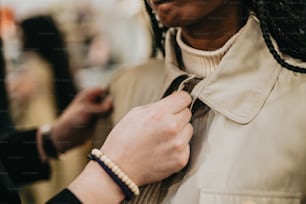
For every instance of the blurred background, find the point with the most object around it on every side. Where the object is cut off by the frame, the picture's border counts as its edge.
(55, 48)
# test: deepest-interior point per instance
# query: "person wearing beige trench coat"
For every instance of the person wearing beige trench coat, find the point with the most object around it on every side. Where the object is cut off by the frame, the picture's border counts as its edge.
(249, 96)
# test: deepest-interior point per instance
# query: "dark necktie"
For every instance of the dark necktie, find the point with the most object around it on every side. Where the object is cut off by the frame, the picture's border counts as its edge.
(198, 107)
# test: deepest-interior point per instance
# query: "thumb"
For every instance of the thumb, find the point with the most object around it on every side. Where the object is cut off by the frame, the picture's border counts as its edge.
(93, 94)
(103, 107)
(175, 102)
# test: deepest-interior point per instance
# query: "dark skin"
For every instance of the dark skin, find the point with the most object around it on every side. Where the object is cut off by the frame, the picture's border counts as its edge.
(206, 24)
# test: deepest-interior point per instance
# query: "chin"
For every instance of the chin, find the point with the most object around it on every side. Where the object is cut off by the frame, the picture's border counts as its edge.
(170, 24)
(169, 21)
(172, 18)
(173, 22)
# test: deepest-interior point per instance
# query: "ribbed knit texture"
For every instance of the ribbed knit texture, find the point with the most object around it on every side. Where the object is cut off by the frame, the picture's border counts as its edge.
(200, 62)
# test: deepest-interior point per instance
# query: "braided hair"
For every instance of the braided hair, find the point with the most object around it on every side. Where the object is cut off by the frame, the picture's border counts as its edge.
(284, 20)
(158, 30)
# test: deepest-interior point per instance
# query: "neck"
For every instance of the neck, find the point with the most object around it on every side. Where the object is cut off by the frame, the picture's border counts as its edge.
(212, 32)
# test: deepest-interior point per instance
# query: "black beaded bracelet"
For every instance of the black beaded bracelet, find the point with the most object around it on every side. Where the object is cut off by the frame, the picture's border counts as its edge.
(126, 190)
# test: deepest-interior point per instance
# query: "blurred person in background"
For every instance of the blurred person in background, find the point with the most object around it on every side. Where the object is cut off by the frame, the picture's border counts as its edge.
(44, 69)
(40, 86)
(25, 155)
(41, 35)
(7, 27)
(243, 62)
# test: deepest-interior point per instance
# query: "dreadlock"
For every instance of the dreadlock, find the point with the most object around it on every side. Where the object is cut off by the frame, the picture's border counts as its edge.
(284, 20)
(158, 31)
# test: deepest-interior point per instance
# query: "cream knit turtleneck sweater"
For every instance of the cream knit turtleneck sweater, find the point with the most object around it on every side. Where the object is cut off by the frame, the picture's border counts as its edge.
(200, 62)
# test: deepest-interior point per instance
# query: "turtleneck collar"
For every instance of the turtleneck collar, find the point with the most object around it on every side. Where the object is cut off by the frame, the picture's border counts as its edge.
(201, 62)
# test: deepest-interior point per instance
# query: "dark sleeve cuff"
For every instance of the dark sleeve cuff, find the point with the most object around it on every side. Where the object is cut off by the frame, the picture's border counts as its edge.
(20, 157)
(64, 197)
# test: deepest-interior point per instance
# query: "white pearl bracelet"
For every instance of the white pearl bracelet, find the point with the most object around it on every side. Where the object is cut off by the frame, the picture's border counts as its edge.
(116, 170)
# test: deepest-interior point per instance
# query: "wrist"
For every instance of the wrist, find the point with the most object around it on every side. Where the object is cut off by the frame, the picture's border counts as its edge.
(57, 133)
(46, 146)
(94, 185)
(124, 164)
(128, 186)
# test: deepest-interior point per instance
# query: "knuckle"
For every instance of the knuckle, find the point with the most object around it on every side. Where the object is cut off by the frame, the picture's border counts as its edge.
(189, 128)
(83, 109)
(186, 155)
(154, 115)
(182, 161)
(170, 132)
(105, 105)
(189, 114)
(172, 129)
(178, 146)
(174, 125)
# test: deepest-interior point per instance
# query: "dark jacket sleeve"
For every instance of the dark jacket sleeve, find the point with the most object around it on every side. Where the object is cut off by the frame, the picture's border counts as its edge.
(20, 157)
(64, 197)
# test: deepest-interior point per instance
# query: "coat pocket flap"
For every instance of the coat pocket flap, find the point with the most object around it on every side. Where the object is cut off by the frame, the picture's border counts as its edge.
(249, 197)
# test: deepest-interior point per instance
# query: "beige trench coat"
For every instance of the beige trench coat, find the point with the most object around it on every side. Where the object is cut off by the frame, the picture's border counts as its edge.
(251, 146)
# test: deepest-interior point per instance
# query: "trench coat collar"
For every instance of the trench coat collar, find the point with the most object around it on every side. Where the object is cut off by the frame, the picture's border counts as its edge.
(242, 82)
